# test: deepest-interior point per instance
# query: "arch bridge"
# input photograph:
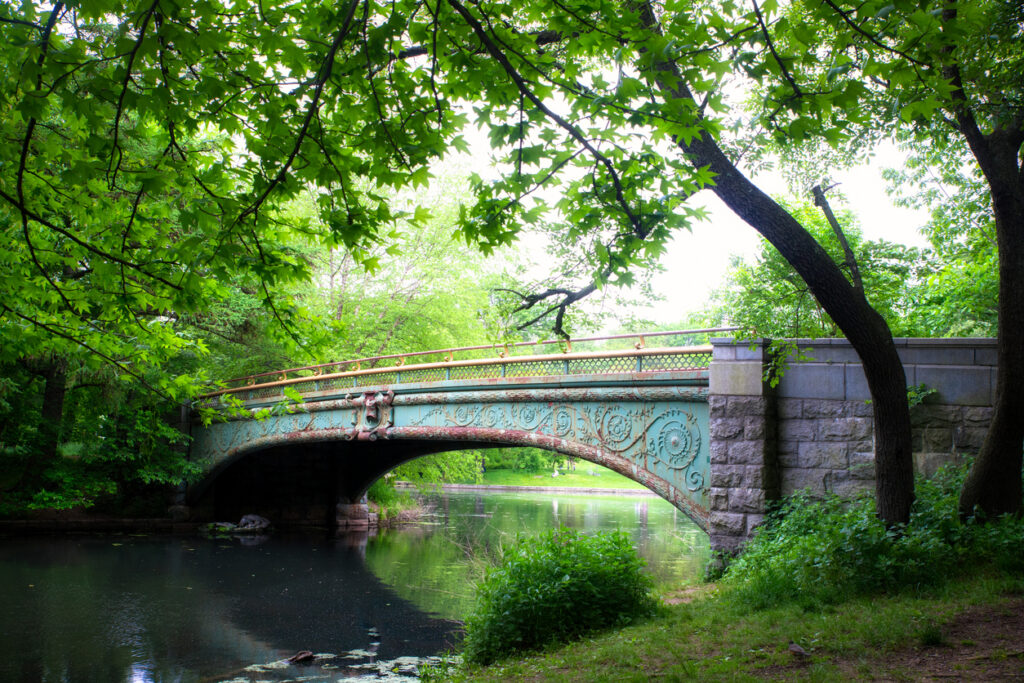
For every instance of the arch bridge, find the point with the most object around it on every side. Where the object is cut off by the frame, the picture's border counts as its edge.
(321, 435)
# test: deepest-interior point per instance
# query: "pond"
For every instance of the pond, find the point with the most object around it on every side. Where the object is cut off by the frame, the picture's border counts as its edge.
(151, 608)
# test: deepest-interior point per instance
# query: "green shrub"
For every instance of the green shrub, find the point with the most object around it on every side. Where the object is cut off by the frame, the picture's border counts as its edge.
(389, 500)
(822, 551)
(556, 588)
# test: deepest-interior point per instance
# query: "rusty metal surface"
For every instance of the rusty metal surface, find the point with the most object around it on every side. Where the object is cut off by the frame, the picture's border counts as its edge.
(639, 340)
(651, 427)
(568, 364)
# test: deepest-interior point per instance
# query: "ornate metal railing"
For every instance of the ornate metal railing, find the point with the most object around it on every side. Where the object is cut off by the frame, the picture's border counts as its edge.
(480, 362)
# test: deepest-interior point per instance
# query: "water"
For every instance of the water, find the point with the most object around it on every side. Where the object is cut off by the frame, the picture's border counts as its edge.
(138, 608)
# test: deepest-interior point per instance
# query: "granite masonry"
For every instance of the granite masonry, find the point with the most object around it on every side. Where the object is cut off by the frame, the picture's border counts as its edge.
(814, 430)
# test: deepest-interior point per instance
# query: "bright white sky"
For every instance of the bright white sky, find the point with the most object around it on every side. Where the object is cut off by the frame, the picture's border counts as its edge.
(696, 262)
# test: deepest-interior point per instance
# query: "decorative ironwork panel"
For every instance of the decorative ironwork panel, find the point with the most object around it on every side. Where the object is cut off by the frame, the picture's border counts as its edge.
(676, 361)
(425, 375)
(593, 366)
(667, 439)
(476, 372)
(535, 368)
(328, 384)
(265, 392)
(376, 379)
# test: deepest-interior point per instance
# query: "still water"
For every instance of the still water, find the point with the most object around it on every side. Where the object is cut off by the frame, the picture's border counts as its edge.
(151, 608)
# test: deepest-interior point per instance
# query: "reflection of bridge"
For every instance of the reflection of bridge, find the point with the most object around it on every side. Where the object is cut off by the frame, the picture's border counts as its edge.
(639, 411)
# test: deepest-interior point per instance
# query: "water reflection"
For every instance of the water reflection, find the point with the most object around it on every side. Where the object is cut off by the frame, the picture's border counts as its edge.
(134, 608)
(130, 608)
(437, 564)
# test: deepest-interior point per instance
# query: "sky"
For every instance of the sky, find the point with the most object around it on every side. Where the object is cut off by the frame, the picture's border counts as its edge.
(696, 262)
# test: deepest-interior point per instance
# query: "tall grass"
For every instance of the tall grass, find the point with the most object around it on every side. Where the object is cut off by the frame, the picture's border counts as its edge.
(817, 551)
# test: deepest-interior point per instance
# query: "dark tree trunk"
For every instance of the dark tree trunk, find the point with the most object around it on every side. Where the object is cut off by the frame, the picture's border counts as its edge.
(994, 482)
(866, 330)
(51, 415)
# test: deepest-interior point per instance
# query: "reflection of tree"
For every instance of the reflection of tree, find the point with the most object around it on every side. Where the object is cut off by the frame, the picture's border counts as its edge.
(185, 608)
(436, 566)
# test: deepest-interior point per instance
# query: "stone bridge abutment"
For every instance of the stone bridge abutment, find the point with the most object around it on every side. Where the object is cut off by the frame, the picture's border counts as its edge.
(815, 431)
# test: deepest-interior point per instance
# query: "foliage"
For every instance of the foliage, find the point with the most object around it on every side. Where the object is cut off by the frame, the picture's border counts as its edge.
(390, 501)
(430, 470)
(526, 459)
(815, 551)
(768, 297)
(556, 588)
(959, 297)
(707, 637)
(115, 451)
(917, 394)
(939, 75)
(151, 149)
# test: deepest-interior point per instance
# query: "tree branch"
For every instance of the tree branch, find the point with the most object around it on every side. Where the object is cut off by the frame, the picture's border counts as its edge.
(851, 260)
(639, 229)
(320, 82)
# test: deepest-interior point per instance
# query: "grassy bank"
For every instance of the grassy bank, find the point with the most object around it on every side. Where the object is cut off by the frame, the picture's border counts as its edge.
(823, 591)
(586, 475)
(969, 629)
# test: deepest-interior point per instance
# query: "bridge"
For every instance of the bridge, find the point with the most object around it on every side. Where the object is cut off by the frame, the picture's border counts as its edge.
(323, 434)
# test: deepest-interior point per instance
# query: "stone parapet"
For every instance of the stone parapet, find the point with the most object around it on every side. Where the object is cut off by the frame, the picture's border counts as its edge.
(815, 430)
(744, 471)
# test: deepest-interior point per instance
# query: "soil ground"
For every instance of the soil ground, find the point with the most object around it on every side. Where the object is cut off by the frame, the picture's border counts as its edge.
(981, 644)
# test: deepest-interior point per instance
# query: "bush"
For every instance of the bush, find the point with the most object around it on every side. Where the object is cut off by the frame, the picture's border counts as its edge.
(823, 551)
(556, 588)
(388, 499)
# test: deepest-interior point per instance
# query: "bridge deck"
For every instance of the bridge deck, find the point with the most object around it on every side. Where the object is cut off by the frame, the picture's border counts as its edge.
(308, 381)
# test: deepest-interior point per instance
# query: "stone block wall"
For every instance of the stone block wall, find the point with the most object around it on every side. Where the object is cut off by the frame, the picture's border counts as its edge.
(744, 472)
(825, 425)
(815, 429)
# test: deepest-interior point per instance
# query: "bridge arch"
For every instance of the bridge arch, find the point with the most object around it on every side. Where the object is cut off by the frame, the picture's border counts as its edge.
(347, 468)
(649, 423)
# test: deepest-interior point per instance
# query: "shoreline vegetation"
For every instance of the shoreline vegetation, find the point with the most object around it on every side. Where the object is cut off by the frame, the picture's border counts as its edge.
(824, 591)
(587, 479)
(581, 475)
(970, 629)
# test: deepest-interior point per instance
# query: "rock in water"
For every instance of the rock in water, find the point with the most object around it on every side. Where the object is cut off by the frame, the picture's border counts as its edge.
(253, 523)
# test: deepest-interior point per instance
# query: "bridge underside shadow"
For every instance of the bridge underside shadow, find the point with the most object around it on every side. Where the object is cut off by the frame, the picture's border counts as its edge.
(304, 484)
(313, 483)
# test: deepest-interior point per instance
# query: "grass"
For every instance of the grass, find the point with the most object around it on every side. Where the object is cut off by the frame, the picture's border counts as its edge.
(586, 475)
(712, 638)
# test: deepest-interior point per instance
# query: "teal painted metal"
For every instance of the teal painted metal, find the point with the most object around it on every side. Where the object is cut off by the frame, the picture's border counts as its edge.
(650, 426)
(642, 412)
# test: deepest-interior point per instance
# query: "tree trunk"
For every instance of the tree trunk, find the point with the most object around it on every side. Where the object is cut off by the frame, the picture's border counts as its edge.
(994, 482)
(866, 330)
(51, 415)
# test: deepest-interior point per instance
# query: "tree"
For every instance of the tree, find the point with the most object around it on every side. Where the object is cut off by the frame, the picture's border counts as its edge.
(151, 146)
(949, 75)
(768, 297)
(961, 297)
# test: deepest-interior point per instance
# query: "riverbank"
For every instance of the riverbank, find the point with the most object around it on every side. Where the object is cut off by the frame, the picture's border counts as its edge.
(493, 488)
(971, 629)
(584, 475)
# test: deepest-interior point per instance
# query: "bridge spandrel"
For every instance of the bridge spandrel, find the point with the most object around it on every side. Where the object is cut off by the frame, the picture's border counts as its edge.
(666, 439)
(657, 435)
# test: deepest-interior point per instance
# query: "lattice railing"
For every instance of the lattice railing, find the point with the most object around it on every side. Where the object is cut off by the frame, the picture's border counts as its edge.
(479, 362)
